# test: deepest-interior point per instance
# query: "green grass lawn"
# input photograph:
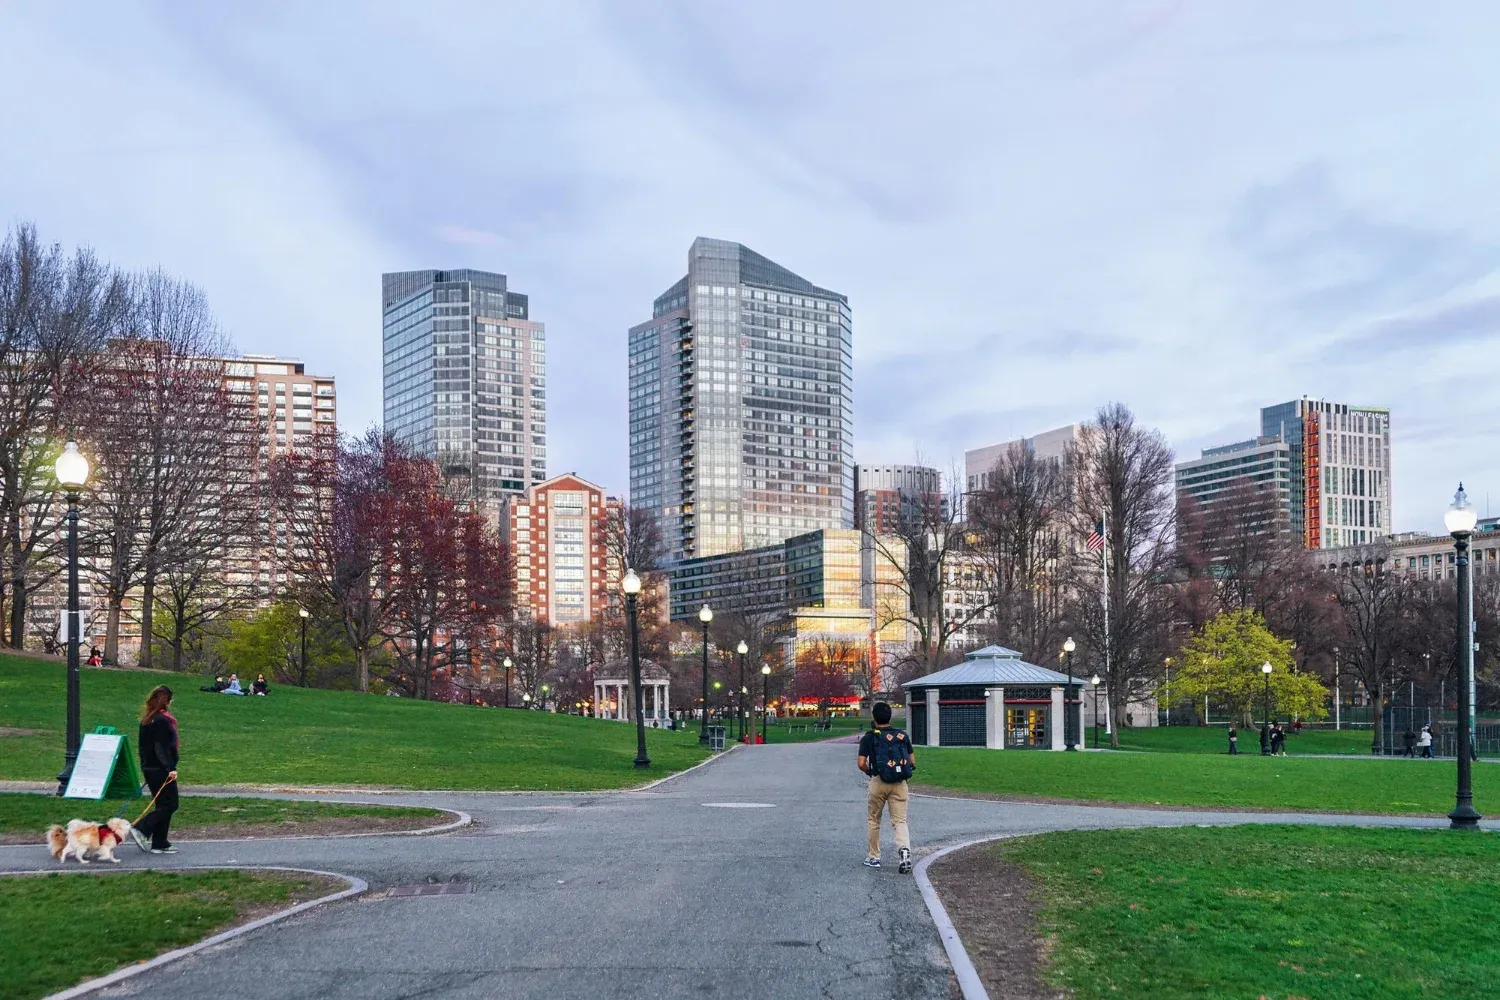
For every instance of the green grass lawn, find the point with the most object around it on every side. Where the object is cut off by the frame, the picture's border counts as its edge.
(1187, 779)
(841, 726)
(56, 930)
(1276, 911)
(1215, 739)
(306, 737)
(24, 813)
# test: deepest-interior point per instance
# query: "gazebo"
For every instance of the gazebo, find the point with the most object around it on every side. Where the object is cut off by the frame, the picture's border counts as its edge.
(997, 700)
(612, 692)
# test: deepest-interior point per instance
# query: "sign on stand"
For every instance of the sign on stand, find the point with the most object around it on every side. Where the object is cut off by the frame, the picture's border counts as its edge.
(105, 768)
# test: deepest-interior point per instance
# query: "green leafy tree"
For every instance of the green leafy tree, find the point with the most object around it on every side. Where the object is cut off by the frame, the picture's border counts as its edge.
(1223, 663)
(270, 642)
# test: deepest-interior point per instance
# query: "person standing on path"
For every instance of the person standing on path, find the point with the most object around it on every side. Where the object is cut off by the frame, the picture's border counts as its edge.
(886, 755)
(1424, 740)
(1409, 743)
(1278, 741)
(158, 747)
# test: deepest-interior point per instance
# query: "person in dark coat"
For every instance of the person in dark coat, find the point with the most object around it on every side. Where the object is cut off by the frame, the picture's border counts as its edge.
(1278, 741)
(159, 746)
(259, 685)
(1409, 743)
(1234, 741)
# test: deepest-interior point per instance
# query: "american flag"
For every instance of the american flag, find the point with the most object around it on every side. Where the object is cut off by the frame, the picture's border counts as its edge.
(1095, 541)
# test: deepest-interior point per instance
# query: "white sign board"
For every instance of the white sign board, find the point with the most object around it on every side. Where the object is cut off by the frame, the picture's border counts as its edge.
(96, 761)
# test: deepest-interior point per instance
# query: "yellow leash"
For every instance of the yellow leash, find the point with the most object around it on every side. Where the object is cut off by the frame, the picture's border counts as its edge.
(152, 804)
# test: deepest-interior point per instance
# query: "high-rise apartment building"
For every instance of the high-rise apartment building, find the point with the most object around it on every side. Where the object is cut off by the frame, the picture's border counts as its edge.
(1220, 475)
(465, 378)
(558, 532)
(883, 493)
(1340, 470)
(741, 405)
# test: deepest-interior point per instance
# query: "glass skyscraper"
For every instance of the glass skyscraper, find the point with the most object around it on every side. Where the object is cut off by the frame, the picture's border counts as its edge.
(741, 405)
(465, 378)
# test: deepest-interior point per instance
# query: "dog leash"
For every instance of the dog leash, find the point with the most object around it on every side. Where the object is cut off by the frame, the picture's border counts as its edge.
(150, 805)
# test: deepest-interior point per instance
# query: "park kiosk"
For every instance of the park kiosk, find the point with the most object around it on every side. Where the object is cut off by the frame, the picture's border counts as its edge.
(997, 700)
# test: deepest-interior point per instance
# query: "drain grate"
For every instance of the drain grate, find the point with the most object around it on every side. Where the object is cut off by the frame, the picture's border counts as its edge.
(431, 889)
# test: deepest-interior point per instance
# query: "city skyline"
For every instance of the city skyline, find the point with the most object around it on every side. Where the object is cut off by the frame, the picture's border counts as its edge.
(1208, 232)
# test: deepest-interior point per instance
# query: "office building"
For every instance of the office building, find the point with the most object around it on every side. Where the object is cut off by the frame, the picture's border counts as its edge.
(884, 493)
(1423, 556)
(1340, 466)
(741, 406)
(1055, 444)
(465, 379)
(1256, 473)
(567, 573)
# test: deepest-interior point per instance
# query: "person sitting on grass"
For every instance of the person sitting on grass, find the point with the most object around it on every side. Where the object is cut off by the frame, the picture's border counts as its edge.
(214, 688)
(233, 687)
(259, 685)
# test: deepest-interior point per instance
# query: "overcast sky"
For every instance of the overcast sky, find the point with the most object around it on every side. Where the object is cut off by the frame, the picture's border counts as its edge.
(1197, 209)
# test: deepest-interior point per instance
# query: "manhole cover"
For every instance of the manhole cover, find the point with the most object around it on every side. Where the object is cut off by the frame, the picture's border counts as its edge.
(432, 889)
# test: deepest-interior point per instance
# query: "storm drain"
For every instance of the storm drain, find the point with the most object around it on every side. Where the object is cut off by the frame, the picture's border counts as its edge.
(430, 889)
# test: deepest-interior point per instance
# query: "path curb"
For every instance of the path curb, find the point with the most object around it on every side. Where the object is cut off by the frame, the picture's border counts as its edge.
(356, 886)
(963, 969)
(702, 763)
(463, 820)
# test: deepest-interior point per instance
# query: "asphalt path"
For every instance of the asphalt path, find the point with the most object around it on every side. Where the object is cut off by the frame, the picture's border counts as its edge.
(739, 879)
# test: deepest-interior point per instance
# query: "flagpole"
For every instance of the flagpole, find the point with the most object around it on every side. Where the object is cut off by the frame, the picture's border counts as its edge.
(1104, 553)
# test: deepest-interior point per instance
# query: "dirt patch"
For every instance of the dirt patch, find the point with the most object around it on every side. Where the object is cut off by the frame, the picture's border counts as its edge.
(310, 887)
(14, 731)
(992, 903)
(333, 826)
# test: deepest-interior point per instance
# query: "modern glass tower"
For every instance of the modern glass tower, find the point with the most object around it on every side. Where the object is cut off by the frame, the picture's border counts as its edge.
(465, 378)
(742, 405)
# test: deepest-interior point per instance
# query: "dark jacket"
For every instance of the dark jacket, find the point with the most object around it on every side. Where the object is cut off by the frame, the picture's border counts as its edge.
(158, 743)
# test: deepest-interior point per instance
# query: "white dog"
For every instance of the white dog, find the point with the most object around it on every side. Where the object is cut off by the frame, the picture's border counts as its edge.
(83, 837)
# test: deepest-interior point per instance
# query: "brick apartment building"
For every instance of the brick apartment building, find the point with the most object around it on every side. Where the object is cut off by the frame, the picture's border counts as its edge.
(567, 573)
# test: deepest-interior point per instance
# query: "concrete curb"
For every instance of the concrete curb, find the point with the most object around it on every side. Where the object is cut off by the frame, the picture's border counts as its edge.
(463, 820)
(702, 763)
(963, 969)
(356, 886)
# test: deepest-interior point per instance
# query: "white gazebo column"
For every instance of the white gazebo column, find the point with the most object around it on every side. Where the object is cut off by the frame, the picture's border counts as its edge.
(666, 699)
(934, 734)
(598, 698)
(994, 718)
(623, 713)
(1057, 718)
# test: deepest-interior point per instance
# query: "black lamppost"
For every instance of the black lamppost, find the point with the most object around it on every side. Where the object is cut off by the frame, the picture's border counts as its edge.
(632, 587)
(508, 664)
(1067, 654)
(302, 613)
(1460, 521)
(1095, 682)
(1265, 668)
(72, 472)
(765, 699)
(742, 649)
(705, 615)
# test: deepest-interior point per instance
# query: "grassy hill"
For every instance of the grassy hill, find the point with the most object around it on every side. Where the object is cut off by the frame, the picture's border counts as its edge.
(306, 737)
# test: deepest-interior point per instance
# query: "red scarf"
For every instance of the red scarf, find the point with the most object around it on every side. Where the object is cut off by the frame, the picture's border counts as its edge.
(105, 831)
(172, 721)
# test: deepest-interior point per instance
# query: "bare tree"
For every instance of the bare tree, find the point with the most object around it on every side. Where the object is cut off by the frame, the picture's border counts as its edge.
(1123, 477)
(1020, 515)
(1374, 606)
(56, 312)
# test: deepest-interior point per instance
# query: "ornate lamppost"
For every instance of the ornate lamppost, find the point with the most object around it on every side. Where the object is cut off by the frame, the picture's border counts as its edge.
(1265, 668)
(632, 587)
(742, 649)
(303, 614)
(72, 472)
(1095, 682)
(1067, 654)
(508, 664)
(1460, 521)
(765, 698)
(705, 615)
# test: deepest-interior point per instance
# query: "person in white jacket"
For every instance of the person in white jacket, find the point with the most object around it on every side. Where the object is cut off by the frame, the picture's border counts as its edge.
(1424, 740)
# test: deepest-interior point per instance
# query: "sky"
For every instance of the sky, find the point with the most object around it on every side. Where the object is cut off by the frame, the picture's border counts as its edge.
(1034, 209)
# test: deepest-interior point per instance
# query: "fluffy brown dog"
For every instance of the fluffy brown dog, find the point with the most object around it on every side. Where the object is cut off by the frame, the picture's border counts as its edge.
(82, 838)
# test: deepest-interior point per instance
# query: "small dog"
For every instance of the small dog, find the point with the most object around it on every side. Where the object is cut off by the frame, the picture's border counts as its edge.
(82, 837)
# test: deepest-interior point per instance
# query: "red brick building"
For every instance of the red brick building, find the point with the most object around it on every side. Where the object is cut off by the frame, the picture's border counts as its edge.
(559, 532)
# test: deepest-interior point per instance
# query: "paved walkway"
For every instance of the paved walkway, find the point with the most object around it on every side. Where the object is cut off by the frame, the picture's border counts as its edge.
(633, 895)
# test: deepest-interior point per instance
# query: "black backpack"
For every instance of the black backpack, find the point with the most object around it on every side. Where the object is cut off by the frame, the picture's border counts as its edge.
(891, 760)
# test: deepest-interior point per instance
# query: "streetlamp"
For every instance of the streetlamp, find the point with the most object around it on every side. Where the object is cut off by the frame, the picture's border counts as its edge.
(1338, 701)
(1169, 691)
(1265, 668)
(507, 666)
(632, 587)
(1067, 654)
(705, 615)
(742, 649)
(545, 689)
(525, 699)
(1095, 682)
(1459, 521)
(302, 613)
(72, 472)
(765, 698)
(718, 691)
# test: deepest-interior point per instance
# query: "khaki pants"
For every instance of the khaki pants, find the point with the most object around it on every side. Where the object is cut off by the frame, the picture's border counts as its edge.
(891, 797)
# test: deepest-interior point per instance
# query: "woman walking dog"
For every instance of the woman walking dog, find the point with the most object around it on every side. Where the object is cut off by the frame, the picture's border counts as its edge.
(159, 745)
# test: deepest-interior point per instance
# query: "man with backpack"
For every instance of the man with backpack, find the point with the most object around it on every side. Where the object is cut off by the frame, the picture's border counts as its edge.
(886, 755)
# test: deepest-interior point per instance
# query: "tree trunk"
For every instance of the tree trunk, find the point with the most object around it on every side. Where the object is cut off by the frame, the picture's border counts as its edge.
(1377, 718)
(112, 632)
(362, 657)
(1116, 719)
(18, 596)
(148, 614)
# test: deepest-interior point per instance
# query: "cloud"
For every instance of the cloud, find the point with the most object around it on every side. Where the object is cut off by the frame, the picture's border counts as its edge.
(467, 236)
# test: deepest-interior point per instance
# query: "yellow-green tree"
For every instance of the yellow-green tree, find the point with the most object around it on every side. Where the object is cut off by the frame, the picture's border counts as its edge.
(1224, 660)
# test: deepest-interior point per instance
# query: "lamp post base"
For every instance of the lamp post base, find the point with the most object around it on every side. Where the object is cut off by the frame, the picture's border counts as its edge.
(642, 762)
(1464, 817)
(67, 774)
